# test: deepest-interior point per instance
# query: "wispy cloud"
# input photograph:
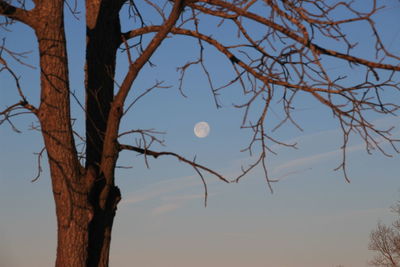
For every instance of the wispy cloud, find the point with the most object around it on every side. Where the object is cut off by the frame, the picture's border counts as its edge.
(307, 161)
(171, 203)
(143, 196)
(168, 195)
(161, 188)
(290, 173)
(184, 197)
(172, 193)
(165, 208)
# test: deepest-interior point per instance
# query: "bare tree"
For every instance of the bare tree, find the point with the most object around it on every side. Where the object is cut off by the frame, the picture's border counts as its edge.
(278, 50)
(385, 241)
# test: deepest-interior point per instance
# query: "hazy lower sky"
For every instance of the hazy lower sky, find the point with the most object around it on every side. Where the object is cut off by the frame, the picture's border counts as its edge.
(313, 218)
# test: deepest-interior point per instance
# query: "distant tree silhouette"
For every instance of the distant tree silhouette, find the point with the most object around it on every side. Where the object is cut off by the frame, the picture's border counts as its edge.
(385, 241)
(277, 50)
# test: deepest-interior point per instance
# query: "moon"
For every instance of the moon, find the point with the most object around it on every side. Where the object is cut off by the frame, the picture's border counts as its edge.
(201, 129)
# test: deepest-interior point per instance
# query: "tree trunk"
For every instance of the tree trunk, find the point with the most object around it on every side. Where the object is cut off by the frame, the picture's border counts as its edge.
(69, 189)
(103, 37)
(86, 198)
(84, 226)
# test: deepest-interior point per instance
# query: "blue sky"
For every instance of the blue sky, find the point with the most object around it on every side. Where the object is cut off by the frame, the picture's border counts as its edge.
(313, 218)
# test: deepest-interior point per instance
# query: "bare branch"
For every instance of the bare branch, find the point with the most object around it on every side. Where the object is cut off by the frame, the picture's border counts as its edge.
(294, 63)
(180, 158)
(148, 90)
(291, 34)
(39, 162)
(14, 109)
(204, 184)
(16, 13)
(110, 152)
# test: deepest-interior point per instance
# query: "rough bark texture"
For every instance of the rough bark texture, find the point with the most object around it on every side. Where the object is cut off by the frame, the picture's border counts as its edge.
(84, 226)
(69, 189)
(86, 197)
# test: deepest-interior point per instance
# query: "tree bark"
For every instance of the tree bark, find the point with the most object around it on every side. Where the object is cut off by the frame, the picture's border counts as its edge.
(103, 37)
(84, 226)
(67, 176)
(86, 198)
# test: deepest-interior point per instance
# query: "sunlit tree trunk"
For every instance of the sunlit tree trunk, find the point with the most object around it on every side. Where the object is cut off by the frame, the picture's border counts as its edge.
(70, 194)
(84, 225)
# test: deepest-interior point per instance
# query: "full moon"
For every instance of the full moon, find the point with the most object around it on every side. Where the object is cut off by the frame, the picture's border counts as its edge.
(201, 129)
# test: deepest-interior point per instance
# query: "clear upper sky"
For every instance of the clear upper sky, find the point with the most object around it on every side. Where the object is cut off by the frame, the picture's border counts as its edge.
(313, 218)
